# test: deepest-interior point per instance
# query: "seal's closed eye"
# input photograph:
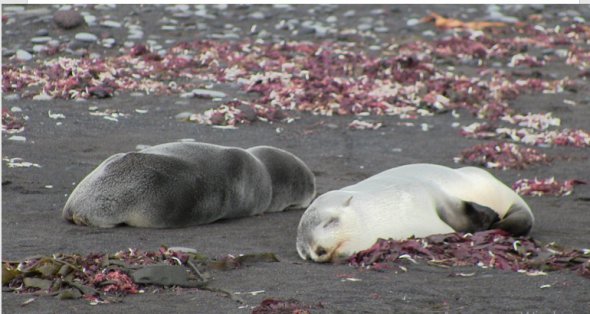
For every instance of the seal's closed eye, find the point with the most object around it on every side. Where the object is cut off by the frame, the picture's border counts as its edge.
(332, 222)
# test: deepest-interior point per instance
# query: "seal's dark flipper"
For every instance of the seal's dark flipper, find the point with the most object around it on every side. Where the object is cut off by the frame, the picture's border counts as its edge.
(518, 221)
(470, 218)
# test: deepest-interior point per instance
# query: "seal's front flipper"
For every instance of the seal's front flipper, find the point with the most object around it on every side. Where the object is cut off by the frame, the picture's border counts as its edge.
(518, 221)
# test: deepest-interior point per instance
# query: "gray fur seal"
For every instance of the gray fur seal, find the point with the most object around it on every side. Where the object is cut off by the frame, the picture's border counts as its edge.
(411, 200)
(182, 184)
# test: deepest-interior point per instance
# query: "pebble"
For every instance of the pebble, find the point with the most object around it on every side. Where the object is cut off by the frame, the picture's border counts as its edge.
(13, 9)
(68, 19)
(135, 34)
(76, 44)
(53, 43)
(204, 93)
(40, 39)
(23, 55)
(90, 19)
(111, 24)
(257, 15)
(349, 13)
(42, 96)
(332, 19)
(108, 42)
(364, 27)
(183, 116)
(86, 37)
(168, 27)
(381, 29)
(42, 32)
(39, 48)
(17, 138)
(12, 97)
(413, 22)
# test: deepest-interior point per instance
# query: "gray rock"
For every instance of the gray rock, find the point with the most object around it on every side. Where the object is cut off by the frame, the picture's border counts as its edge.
(8, 52)
(76, 44)
(364, 27)
(257, 15)
(39, 48)
(111, 24)
(13, 9)
(53, 43)
(86, 37)
(23, 55)
(164, 275)
(108, 42)
(42, 32)
(135, 34)
(204, 93)
(17, 138)
(90, 19)
(381, 29)
(12, 97)
(40, 39)
(68, 19)
(413, 22)
(183, 116)
(349, 13)
(377, 12)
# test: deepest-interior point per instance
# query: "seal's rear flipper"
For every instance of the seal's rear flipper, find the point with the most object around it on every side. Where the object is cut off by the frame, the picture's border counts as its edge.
(468, 217)
(518, 221)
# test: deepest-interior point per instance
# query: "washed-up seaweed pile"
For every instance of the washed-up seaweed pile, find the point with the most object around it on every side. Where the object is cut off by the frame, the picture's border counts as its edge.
(336, 78)
(502, 156)
(487, 249)
(274, 306)
(548, 186)
(104, 278)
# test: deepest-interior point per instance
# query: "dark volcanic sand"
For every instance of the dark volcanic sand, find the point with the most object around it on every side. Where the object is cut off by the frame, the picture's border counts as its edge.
(32, 223)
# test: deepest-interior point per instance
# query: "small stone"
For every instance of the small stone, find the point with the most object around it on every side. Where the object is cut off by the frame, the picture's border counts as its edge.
(23, 55)
(11, 97)
(183, 116)
(331, 19)
(90, 20)
(86, 37)
(39, 48)
(135, 34)
(68, 19)
(364, 27)
(108, 42)
(13, 9)
(111, 24)
(42, 32)
(40, 39)
(349, 13)
(257, 15)
(204, 93)
(381, 29)
(42, 96)
(168, 27)
(53, 43)
(413, 22)
(17, 138)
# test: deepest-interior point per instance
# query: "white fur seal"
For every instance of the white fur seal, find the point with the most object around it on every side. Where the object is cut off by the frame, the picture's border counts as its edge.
(412, 200)
(182, 184)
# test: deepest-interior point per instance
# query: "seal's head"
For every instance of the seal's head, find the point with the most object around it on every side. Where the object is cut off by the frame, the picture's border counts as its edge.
(328, 228)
